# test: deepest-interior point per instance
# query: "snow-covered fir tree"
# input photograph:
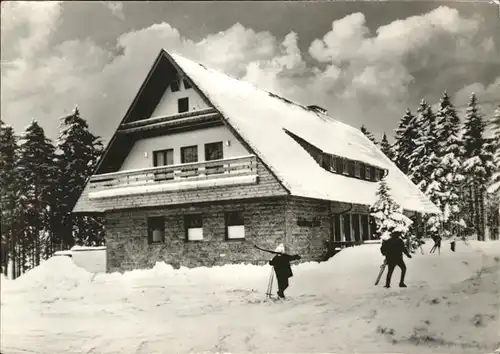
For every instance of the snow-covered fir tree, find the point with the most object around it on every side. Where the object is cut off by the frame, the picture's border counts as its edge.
(389, 217)
(494, 184)
(8, 194)
(387, 148)
(368, 135)
(424, 160)
(80, 151)
(478, 165)
(448, 176)
(37, 171)
(404, 143)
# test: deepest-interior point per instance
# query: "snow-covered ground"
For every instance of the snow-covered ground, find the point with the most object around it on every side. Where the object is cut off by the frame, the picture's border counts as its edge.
(451, 305)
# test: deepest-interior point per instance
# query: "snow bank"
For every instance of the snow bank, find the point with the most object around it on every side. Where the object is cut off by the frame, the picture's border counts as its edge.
(4, 282)
(333, 307)
(54, 273)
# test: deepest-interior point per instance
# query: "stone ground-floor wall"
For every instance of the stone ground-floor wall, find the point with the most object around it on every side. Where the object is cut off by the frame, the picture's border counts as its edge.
(128, 246)
(308, 227)
(305, 226)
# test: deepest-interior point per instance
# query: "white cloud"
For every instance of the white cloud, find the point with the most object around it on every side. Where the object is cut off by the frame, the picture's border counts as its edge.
(361, 78)
(32, 21)
(116, 8)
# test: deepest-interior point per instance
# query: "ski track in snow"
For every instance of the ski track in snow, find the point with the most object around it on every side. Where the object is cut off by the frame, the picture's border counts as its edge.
(450, 306)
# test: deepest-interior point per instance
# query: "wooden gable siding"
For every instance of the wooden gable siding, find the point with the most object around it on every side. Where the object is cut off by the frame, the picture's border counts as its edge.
(267, 186)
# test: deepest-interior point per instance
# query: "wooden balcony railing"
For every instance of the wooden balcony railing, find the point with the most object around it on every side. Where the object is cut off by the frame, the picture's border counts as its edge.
(197, 171)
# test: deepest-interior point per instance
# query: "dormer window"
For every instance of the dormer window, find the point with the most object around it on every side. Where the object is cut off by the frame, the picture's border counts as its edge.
(329, 162)
(345, 166)
(368, 173)
(362, 171)
(333, 165)
(337, 164)
(357, 169)
(351, 167)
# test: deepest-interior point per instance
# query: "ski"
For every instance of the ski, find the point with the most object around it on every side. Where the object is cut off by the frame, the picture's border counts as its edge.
(269, 251)
(382, 268)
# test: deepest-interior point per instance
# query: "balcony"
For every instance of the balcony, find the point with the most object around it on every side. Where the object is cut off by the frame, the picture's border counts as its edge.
(188, 176)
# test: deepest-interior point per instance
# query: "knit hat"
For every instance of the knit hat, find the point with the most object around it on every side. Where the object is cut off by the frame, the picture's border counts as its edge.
(280, 248)
(385, 236)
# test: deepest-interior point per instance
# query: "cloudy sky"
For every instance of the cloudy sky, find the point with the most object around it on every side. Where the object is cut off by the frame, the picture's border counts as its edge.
(366, 62)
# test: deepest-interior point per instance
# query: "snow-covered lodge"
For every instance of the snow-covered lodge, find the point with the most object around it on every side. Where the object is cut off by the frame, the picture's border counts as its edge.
(204, 166)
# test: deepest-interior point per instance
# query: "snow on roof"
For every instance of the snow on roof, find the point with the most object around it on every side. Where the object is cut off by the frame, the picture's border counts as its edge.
(261, 119)
(87, 248)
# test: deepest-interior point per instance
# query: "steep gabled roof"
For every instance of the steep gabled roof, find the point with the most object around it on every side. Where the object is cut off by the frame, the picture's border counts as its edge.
(262, 118)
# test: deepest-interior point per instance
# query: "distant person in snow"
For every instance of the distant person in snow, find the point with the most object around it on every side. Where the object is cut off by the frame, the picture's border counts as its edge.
(393, 249)
(282, 268)
(453, 243)
(437, 244)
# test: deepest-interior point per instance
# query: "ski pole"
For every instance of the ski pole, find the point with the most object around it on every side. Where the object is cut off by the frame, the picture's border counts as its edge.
(270, 284)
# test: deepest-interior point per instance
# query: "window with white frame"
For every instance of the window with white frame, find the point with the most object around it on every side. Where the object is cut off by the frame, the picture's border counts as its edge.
(189, 154)
(163, 158)
(156, 229)
(235, 225)
(194, 227)
(214, 151)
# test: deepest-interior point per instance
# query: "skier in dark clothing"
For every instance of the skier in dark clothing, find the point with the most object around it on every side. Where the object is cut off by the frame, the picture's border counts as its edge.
(437, 244)
(281, 265)
(393, 250)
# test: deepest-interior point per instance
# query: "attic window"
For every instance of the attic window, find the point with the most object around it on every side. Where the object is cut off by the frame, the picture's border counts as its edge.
(187, 85)
(183, 104)
(174, 85)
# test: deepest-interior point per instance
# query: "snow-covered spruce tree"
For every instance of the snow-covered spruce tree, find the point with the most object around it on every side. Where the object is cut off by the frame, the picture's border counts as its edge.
(8, 195)
(448, 175)
(386, 148)
(494, 184)
(478, 165)
(368, 134)
(80, 151)
(404, 143)
(36, 171)
(424, 160)
(421, 162)
(389, 217)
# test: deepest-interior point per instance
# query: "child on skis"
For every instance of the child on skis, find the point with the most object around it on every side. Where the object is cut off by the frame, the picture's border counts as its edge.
(282, 268)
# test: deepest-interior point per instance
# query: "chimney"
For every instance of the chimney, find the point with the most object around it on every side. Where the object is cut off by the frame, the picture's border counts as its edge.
(318, 109)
